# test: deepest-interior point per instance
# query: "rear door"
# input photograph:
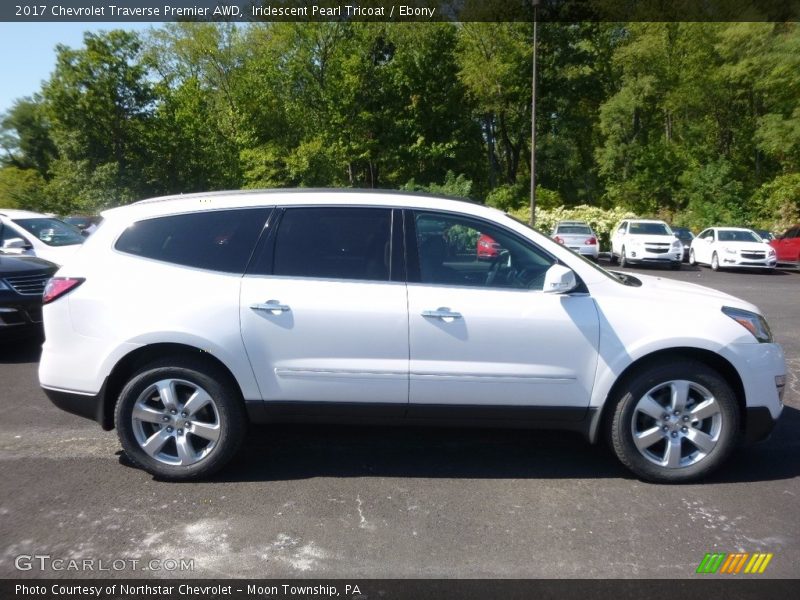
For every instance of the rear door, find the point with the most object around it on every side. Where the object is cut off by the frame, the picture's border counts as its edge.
(324, 312)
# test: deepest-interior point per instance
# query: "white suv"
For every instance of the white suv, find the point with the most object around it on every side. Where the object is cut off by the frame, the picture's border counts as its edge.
(645, 241)
(183, 318)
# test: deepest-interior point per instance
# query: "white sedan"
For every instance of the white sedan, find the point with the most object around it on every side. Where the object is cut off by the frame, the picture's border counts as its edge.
(731, 247)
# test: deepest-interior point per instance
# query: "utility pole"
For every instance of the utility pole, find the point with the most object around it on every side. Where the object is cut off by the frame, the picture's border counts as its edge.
(533, 117)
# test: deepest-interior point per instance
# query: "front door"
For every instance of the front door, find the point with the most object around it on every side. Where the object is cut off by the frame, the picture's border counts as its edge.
(482, 332)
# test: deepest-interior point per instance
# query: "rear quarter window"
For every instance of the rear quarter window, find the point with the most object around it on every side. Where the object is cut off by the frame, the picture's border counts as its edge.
(220, 240)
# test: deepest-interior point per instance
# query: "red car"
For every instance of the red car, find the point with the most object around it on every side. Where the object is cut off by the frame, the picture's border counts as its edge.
(787, 246)
(487, 248)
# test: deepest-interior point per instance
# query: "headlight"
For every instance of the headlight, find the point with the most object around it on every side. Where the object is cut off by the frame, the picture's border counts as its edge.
(771, 252)
(729, 250)
(753, 322)
(3, 285)
(677, 244)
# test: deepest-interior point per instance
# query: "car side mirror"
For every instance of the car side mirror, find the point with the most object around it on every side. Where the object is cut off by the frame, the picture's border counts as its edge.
(559, 280)
(16, 243)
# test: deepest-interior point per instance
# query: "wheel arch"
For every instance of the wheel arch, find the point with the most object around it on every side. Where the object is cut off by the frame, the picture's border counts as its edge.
(706, 357)
(136, 359)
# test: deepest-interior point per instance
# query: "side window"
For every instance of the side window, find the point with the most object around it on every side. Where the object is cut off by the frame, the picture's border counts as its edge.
(218, 240)
(335, 243)
(454, 250)
(7, 233)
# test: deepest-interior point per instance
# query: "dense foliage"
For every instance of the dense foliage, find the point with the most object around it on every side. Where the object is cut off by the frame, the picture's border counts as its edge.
(698, 123)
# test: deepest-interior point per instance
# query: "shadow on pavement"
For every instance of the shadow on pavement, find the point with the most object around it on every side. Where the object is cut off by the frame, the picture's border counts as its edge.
(289, 452)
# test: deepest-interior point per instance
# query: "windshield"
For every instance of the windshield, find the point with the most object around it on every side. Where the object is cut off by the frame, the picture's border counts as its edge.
(738, 236)
(51, 231)
(576, 229)
(650, 229)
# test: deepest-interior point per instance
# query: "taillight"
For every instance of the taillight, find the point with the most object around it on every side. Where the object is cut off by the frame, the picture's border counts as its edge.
(558, 239)
(58, 286)
(591, 241)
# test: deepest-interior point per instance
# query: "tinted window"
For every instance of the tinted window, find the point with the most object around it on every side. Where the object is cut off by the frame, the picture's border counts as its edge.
(649, 229)
(574, 229)
(454, 250)
(219, 240)
(335, 243)
(737, 236)
(51, 231)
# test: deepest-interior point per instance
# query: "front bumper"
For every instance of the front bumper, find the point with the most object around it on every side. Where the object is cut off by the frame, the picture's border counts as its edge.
(19, 315)
(644, 255)
(746, 263)
(758, 424)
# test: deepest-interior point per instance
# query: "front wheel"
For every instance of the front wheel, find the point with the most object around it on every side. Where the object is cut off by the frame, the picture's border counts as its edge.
(623, 260)
(674, 423)
(180, 419)
(692, 260)
(714, 262)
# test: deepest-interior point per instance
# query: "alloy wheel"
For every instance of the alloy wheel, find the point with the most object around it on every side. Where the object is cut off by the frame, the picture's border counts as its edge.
(176, 422)
(676, 424)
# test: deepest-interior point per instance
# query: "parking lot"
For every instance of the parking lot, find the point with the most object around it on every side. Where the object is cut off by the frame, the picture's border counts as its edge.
(305, 501)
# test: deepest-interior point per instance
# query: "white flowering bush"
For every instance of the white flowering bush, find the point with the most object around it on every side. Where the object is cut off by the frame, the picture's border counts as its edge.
(601, 220)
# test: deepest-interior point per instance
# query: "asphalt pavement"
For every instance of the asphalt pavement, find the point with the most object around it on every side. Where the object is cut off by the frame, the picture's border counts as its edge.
(326, 501)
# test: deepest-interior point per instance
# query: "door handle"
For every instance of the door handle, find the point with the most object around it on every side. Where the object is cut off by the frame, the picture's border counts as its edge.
(442, 313)
(272, 306)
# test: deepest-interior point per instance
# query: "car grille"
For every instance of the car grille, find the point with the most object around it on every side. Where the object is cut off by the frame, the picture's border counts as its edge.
(28, 285)
(656, 248)
(754, 255)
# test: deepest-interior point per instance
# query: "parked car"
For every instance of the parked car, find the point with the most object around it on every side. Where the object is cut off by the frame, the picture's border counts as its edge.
(86, 223)
(28, 233)
(723, 247)
(22, 282)
(645, 241)
(787, 246)
(183, 318)
(765, 235)
(486, 248)
(577, 236)
(685, 235)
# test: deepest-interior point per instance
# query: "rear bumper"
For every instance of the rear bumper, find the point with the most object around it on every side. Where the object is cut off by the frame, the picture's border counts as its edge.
(88, 406)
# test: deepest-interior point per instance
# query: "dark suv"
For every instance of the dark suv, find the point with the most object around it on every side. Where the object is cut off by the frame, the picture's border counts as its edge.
(22, 281)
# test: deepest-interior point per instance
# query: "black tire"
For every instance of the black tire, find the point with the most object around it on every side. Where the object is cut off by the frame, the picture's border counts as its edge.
(228, 413)
(625, 417)
(714, 262)
(613, 258)
(623, 261)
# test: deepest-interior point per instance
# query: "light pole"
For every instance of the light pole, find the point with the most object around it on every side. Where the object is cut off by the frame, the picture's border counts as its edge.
(533, 117)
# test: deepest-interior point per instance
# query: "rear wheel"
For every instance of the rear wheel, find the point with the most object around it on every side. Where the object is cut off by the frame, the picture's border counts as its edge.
(674, 423)
(180, 419)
